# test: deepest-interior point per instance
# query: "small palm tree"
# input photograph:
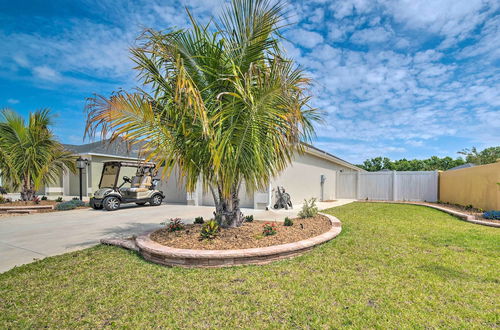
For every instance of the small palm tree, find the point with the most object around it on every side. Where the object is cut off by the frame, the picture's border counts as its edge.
(222, 103)
(30, 156)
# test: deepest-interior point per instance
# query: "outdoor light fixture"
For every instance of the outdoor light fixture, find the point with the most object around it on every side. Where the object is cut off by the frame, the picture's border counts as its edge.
(81, 164)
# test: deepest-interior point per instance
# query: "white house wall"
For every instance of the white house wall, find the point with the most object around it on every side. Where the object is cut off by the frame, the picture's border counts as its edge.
(302, 179)
(174, 188)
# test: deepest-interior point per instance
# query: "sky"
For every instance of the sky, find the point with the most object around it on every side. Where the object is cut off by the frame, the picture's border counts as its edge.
(400, 79)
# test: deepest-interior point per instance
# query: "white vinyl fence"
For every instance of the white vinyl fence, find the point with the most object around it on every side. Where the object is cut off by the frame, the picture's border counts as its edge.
(389, 186)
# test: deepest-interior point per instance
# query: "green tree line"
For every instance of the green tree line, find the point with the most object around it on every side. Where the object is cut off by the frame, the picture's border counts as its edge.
(486, 156)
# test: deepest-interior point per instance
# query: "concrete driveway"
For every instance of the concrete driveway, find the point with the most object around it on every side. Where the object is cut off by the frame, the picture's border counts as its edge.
(26, 238)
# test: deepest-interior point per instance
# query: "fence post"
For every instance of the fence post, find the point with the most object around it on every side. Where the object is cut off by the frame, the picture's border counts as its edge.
(358, 185)
(394, 186)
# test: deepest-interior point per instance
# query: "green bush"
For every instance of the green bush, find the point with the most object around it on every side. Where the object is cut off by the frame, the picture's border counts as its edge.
(59, 199)
(309, 209)
(288, 222)
(44, 198)
(249, 218)
(77, 202)
(269, 229)
(64, 206)
(209, 230)
(199, 220)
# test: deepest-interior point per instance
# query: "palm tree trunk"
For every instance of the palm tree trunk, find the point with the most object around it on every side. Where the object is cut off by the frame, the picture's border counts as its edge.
(27, 192)
(227, 210)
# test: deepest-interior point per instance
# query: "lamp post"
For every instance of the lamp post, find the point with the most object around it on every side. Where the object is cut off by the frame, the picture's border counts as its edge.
(81, 164)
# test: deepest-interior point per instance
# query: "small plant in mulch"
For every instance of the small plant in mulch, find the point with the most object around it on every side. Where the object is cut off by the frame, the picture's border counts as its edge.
(288, 222)
(44, 198)
(199, 220)
(249, 218)
(175, 224)
(59, 199)
(492, 215)
(209, 230)
(309, 209)
(65, 206)
(269, 229)
(36, 200)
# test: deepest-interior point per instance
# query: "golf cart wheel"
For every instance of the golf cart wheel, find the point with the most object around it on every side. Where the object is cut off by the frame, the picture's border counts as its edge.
(276, 206)
(111, 203)
(97, 206)
(141, 203)
(156, 200)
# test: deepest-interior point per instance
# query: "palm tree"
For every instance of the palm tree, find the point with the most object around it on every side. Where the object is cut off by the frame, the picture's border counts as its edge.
(223, 104)
(30, 156)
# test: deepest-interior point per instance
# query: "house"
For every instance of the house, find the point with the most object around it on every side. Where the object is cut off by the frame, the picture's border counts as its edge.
(312, 174)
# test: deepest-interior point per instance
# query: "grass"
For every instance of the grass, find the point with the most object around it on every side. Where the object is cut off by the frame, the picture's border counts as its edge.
(396, 266)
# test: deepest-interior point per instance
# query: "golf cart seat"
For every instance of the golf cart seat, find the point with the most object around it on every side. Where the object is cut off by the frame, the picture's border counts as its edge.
(140, 183)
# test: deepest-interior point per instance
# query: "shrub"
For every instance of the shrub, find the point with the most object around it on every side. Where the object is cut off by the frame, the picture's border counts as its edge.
(64, 206)
(199, 220)
(77, 202)
(288, 222)
(3, 199)
(44, 198)
(175, 224)
(209, 230)
(492, 215)
(309, 209)
(75, 199)
(269, 229)
(249, 218)
(59, 199)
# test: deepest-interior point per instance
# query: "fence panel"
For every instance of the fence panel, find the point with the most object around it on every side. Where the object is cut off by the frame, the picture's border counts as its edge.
(376, 185)
(410, 185)
(417, 186)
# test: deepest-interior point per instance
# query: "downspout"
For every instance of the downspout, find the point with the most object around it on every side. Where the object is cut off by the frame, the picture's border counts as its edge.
(269, 197)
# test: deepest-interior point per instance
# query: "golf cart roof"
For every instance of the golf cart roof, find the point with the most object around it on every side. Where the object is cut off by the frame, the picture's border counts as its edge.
(131, 164)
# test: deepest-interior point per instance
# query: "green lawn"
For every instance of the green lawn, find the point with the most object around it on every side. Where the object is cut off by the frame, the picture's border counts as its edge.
(393, 266)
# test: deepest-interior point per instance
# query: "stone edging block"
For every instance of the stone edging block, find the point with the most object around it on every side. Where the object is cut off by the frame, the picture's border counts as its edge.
(169, 256)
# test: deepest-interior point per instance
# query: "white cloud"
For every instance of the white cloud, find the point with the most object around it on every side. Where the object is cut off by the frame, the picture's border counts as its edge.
(374, 35)
(305, 38)
(453, 19)
(45, 73)
(13, 101)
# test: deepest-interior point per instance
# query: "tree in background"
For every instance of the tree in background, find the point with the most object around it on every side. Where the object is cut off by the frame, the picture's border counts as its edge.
(222, 103)
(430, 164)
(30, 156)
(486, 156)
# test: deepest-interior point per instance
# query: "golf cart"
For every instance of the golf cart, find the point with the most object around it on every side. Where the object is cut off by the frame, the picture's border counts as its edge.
(140, 189)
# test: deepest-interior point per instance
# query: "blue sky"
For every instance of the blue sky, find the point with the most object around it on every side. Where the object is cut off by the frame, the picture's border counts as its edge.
(394, 78)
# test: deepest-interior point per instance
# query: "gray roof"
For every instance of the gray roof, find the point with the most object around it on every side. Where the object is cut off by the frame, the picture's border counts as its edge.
(462, 166)
(119, 148)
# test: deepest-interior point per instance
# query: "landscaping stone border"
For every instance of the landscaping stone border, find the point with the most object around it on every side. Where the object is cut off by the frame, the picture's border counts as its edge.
(459, 215)
(168, 256)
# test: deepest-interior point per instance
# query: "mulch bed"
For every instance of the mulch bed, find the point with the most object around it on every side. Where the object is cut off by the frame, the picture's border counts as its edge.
(467, 210)
(30, 203)
(249, 235)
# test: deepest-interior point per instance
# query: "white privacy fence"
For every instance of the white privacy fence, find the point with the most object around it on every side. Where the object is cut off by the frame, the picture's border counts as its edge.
(389, 186)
